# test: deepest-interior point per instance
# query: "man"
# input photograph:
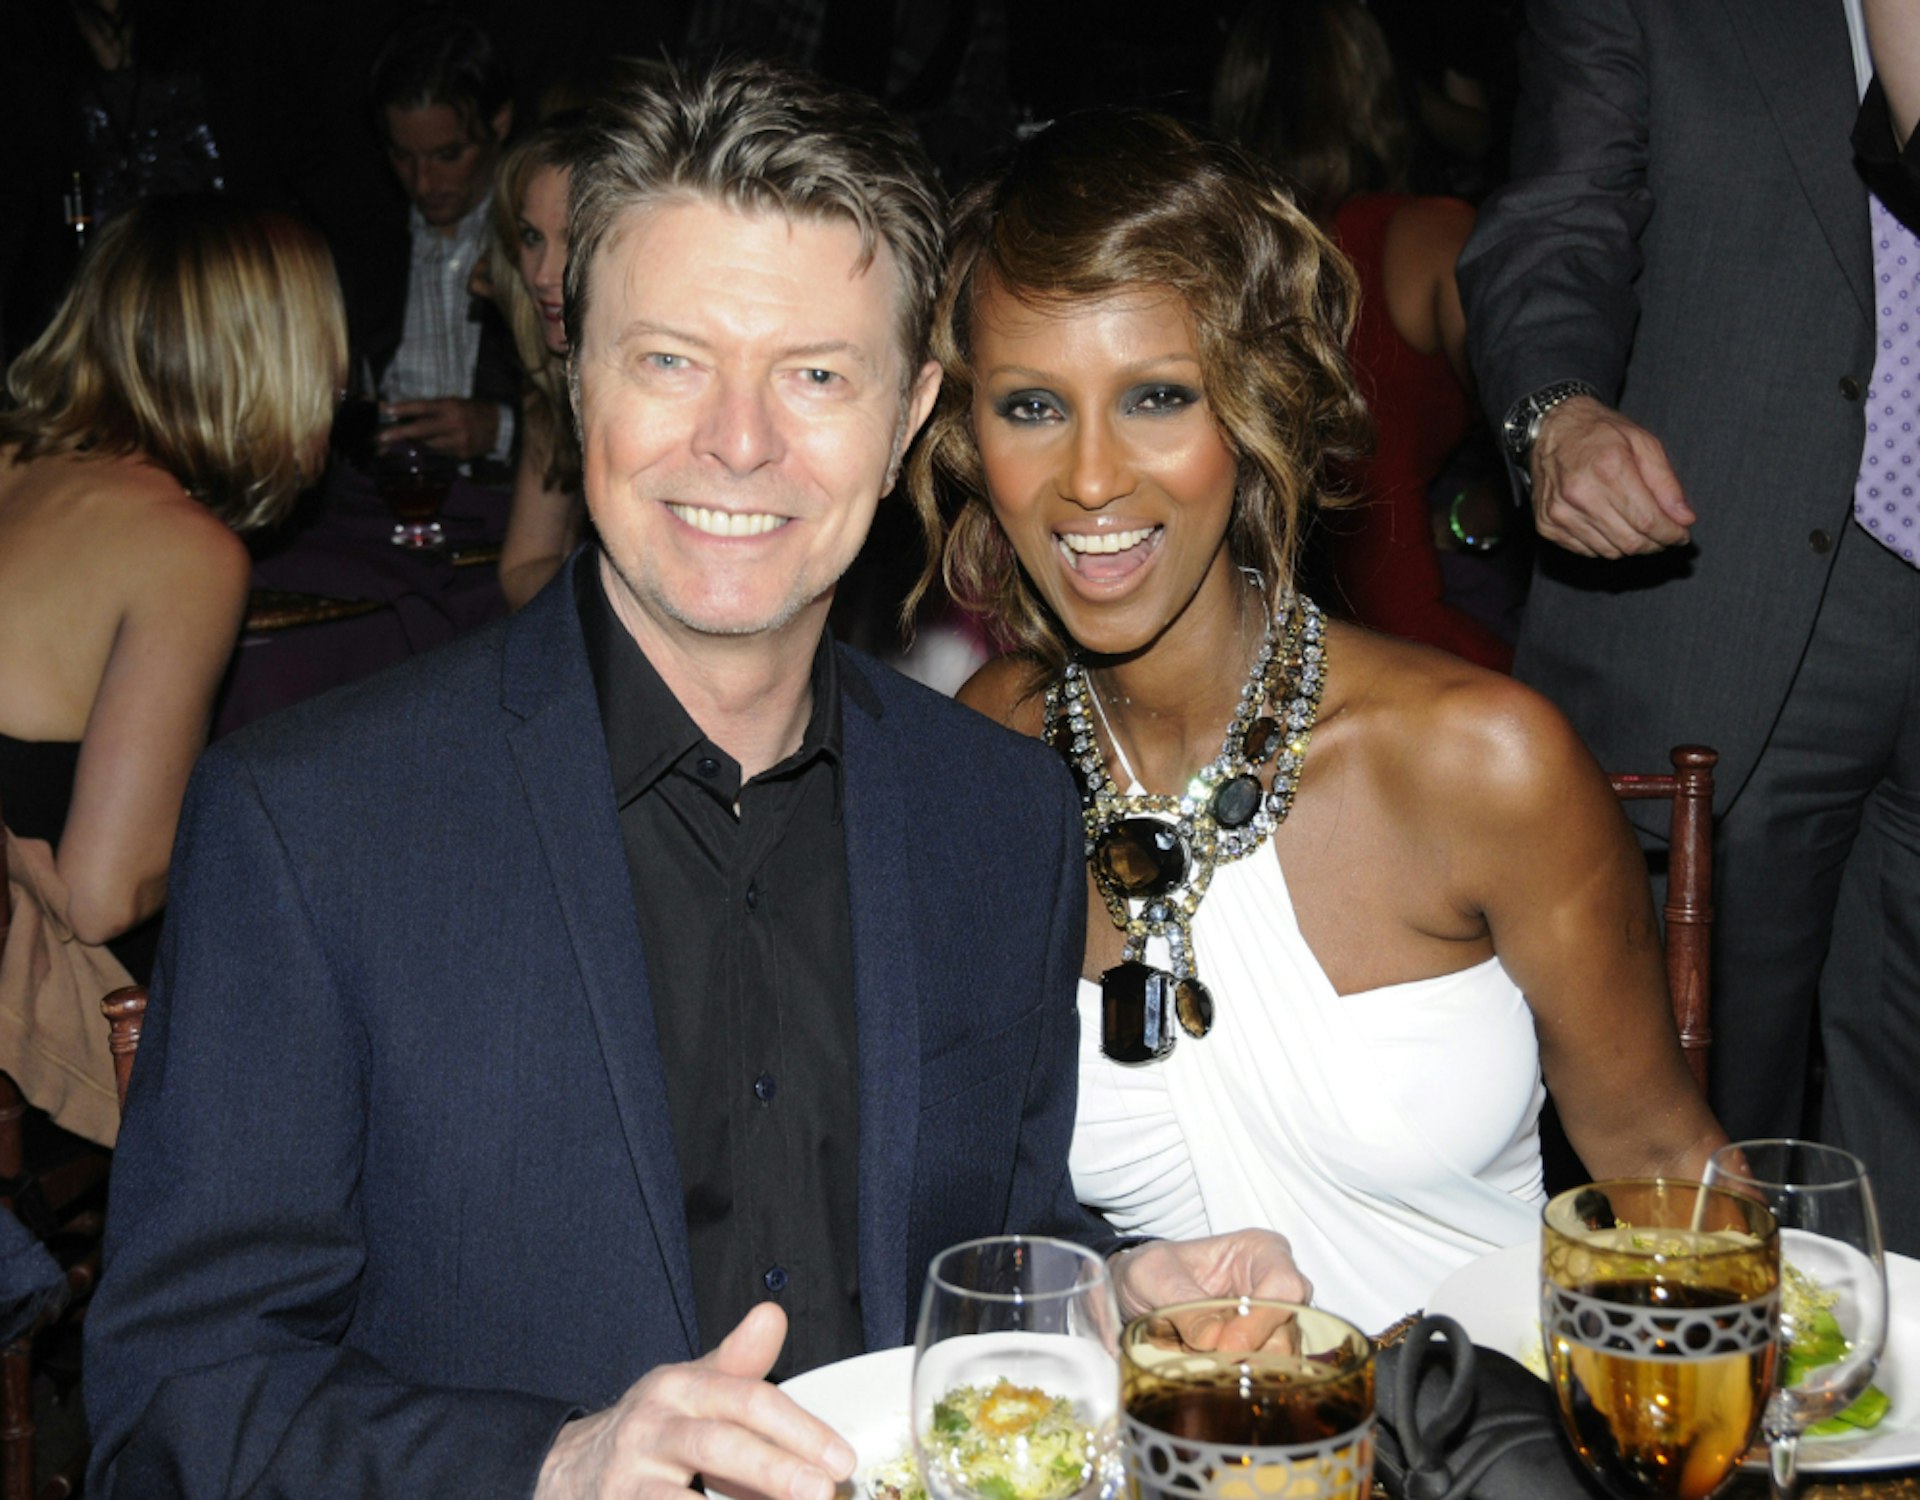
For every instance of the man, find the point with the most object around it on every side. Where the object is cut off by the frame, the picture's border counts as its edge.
(533, 1016)
(1680, 309)
(448, 377)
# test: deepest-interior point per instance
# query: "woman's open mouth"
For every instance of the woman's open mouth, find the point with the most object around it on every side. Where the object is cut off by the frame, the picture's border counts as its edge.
(1103, 557)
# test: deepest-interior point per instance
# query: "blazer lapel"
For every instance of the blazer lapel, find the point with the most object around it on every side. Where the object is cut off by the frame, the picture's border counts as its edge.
(559, 747)
(886, 1004)
(1800, 56)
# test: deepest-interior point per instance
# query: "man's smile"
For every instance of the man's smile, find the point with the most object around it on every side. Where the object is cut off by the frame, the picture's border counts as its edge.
(726, 522)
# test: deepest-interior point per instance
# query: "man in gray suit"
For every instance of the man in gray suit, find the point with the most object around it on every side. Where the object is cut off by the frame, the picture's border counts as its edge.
(1675, 311)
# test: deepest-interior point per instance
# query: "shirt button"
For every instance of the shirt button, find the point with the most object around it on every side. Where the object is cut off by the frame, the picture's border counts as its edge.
(1821, 541)
(764, 1088)
(753, 898)
(708, 767)
(776, 1279)
(1850, 388)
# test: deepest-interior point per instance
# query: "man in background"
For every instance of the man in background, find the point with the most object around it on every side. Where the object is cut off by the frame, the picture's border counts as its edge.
(1692, 326)
(443, 359)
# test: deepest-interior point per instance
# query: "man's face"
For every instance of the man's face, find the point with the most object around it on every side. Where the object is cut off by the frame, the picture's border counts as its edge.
(744, 401)
(443, 169)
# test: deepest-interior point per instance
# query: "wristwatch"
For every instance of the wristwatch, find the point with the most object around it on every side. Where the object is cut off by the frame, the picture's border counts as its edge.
(1522, 424)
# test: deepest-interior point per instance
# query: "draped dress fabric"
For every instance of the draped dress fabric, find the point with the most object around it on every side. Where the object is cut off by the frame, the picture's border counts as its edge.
(1391, 1135)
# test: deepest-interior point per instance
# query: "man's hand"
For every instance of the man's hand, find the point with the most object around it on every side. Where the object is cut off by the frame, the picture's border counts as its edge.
(716, 1417)
(1249, 1263)
(447, 424)
(1602, 486)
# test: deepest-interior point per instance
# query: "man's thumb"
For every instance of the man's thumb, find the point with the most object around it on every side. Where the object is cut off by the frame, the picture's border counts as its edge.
(750, 1350)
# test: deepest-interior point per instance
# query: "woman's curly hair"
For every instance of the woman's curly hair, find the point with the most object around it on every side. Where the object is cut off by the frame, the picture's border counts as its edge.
(1116, 200)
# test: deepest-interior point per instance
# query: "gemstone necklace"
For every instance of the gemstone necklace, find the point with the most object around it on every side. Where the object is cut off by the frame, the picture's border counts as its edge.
(1153, 856)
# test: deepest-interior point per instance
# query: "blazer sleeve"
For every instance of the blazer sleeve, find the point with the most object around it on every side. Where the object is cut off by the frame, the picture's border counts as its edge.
(1547, 277)
(1043, 1200)
(220, 1355)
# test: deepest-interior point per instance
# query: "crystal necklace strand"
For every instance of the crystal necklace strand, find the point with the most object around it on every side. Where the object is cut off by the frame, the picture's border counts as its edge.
(1153, 856)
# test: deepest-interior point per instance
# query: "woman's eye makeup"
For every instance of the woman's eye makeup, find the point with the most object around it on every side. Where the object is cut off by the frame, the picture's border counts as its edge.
(1026, 406)
(1161, 396)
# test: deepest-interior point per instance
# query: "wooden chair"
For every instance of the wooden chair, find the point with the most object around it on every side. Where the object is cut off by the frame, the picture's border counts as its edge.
(1689, 908)
(126, 1011)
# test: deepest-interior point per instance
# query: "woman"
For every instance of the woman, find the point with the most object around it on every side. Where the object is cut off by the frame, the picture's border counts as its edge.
(1308, 85)
(1399, 890)
(182, 394)
(526, 268)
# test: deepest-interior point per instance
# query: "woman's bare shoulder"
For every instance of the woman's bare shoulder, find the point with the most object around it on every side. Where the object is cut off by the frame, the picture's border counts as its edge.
(1456, 741)
(1010, 690)
(134, 525)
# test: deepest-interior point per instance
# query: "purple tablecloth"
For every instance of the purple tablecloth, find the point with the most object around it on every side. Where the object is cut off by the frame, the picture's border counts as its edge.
(342, 550)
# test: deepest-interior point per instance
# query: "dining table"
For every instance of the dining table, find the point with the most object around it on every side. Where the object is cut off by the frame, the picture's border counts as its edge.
(335, 600)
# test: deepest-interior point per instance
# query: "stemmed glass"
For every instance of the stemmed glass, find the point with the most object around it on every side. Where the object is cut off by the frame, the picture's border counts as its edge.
(1658, 1305)
(357, 416)
(1016, 1376)
(414, 481)
(1833, 1313)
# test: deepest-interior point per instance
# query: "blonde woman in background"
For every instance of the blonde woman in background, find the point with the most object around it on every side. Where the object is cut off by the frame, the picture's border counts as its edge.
(526, 269)
(181, 396)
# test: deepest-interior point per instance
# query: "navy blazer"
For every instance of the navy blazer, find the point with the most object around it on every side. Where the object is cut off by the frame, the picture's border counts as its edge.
(396, 1192)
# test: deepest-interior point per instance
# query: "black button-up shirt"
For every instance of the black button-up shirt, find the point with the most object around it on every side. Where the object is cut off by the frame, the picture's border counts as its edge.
(741, 894)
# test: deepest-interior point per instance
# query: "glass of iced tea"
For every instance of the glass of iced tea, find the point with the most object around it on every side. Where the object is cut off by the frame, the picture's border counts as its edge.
(414, 481)
(1659, 1306)
(1240, 1399)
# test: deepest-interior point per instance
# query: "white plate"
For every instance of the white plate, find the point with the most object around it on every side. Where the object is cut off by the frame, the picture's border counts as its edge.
(867, 1400)
(1496, 1299)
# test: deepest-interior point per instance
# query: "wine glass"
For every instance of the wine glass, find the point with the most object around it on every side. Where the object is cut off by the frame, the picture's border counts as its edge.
(1016, 1380)
(1658, 1308)
(1234, 1398)
(414, 481)
(1833, 1310)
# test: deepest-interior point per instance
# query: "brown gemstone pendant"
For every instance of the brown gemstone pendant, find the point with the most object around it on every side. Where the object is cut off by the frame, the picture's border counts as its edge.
(1261, 739)
(1194, 1006)
(1140, 857)
(1136, 1021)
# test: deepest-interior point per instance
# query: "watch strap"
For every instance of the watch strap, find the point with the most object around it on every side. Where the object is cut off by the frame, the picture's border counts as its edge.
(1521, 426)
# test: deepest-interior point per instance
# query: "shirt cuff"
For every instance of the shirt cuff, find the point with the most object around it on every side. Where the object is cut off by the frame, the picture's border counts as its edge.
(502, 450)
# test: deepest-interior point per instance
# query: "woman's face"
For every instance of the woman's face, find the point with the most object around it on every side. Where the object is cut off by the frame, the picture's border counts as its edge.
(1102, 459)
(543, 250)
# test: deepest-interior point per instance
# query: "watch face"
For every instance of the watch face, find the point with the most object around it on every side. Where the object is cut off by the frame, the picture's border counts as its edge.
(1517, 432)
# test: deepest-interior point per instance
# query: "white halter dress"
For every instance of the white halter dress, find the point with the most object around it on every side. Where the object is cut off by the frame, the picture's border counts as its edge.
(1391, 1135)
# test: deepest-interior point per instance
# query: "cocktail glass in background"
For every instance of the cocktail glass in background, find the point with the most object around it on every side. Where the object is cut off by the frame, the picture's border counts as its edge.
(1016, 1379)
(414, 481)
(1238, 1399)
(1833, 1322)
(1659, 1303)
(356, 418)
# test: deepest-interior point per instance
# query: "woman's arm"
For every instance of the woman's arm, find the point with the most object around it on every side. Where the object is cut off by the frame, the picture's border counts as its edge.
(543, 526)
(1551, 863)
(149, 715)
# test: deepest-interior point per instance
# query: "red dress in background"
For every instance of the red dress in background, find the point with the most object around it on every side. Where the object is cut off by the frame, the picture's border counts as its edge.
(1381, 547)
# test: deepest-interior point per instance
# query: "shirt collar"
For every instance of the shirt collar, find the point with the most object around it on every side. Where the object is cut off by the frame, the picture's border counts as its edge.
(467, 239)
(647, 730)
